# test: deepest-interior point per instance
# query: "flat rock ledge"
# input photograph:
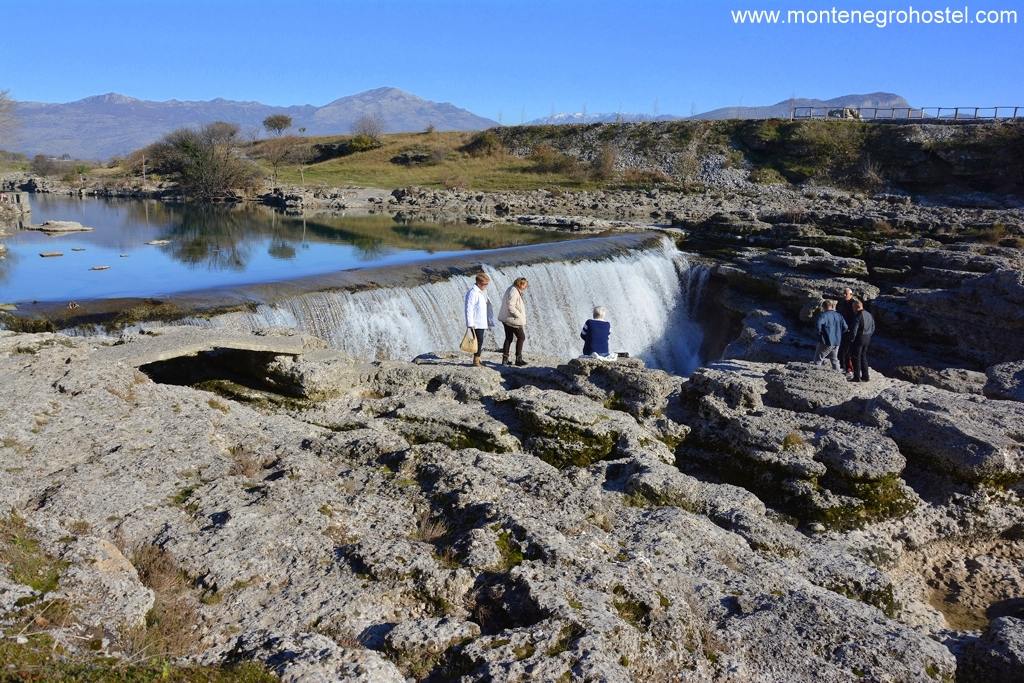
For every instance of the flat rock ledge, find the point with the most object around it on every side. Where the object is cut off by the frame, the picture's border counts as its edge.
(334, 519)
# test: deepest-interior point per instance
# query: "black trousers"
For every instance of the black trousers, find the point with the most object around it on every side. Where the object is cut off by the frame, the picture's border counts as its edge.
(479, 342)
(520, 336)
(859, 353)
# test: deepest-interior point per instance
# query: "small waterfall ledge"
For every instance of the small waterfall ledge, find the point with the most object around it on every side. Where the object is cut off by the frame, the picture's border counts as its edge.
(651, 294)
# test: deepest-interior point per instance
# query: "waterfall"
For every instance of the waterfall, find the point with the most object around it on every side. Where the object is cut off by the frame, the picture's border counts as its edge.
(650, 295)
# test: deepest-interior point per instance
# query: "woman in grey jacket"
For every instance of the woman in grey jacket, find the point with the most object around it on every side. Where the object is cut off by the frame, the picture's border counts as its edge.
(513, 317)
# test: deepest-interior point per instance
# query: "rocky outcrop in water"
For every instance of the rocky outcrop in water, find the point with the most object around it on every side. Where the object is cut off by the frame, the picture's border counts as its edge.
(339, 519)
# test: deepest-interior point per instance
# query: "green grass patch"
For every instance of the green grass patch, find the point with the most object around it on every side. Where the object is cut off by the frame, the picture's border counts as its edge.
(631, 609)
(511, 555)
(27, 563)
(566, 636)
(40, 660)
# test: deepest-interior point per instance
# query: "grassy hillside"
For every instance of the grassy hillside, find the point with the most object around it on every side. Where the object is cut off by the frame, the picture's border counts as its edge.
(446, 163)
(678, 154)
(682, 155)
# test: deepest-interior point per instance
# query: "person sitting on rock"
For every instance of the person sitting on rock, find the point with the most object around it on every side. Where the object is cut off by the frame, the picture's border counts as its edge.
(845, 309)
(513, 318)
(479, 315)
(831, 327)
(595, 335)
(860, 339)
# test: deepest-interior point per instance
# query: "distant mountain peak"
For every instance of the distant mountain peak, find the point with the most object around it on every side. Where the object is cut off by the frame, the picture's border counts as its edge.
(385, 90)
(784, 108)
(109, 98)
(781, 109)
(102, 126)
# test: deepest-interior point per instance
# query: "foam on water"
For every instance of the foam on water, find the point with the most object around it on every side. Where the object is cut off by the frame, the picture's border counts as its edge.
(651, 296)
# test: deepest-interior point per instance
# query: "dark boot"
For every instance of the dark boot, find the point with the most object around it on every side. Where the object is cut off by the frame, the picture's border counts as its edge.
(520, 362)
(504, 360)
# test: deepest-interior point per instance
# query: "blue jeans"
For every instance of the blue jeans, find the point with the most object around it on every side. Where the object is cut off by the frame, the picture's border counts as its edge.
(830, 353)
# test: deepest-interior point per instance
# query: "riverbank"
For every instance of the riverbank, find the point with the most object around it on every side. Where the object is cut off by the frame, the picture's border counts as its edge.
(215, 496)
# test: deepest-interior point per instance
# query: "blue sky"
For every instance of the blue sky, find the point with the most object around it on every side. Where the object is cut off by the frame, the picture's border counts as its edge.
(499, 57)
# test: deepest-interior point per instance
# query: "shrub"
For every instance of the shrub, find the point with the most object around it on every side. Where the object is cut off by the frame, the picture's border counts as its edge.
(734, 158)
(362, 142)
(454, 182)
(333, 150)
(994, 234)
(604, 163)
(47, 166)
(869, 175)
(547, 159)
(645, 177)
(883, 227)
(368, 125)
(484, 144)
(204, 163)
(766, 175)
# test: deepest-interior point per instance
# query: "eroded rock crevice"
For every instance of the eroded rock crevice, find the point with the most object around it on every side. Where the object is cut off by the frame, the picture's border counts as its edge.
(430, 519)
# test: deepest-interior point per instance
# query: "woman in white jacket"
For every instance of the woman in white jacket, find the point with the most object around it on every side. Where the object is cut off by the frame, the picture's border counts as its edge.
(513, 317)
(479, 315)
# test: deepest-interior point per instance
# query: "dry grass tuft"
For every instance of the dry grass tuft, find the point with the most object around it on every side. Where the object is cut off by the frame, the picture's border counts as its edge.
(172, 624)
(244, 462)
(429, 528)
(793, 440)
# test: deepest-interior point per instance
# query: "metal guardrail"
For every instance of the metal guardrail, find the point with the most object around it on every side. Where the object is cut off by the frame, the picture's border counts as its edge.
(910, 113)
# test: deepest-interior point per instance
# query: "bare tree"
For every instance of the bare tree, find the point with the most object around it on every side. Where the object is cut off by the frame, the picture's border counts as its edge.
(284, 151)
(277, 123)
(369, 125)
(221, 132)
(7, 120)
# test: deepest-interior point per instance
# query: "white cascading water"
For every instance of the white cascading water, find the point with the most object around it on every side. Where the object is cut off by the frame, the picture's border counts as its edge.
(650, 295)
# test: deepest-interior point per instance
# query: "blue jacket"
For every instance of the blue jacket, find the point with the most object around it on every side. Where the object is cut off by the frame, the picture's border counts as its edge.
(595, 337)
(831, 328)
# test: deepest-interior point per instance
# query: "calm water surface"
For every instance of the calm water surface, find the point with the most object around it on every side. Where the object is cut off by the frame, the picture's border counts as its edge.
(214, 247)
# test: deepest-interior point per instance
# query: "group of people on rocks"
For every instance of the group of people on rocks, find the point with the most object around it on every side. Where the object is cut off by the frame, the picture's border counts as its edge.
(844, 330)
(512, 315)
(844, 335)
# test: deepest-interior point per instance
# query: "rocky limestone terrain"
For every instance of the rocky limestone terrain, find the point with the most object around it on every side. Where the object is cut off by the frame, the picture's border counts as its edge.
(949, 305)
(219, 501)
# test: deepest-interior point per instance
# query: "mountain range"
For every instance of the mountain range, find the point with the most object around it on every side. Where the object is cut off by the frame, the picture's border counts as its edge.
(778, 110)
(108, 125)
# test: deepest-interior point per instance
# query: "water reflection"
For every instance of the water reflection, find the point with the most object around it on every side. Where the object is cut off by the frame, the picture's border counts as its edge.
(198, 247)
(225, 234)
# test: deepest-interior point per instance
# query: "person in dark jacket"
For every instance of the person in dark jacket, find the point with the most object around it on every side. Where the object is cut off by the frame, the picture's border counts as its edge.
(831, 328)
(845, 309)
(860, 339)
(595, 334)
